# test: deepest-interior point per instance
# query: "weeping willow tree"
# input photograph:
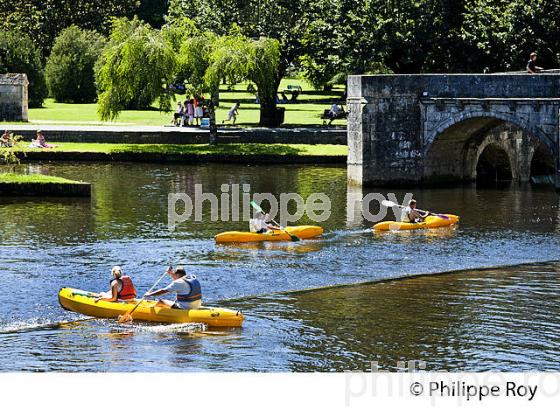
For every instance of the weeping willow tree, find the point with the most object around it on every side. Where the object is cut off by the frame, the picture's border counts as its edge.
(204, 59)
(237, 58)
(139, 63)
(135, 69)
(264, 59)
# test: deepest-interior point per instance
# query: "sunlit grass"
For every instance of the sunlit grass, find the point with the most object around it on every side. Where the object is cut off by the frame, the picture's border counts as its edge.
(307, 111)
(12, 178)
(199, 149)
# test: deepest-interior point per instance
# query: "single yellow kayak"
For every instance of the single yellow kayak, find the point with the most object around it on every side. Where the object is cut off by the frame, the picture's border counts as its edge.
(432, 221)
(302, 232)
(83, 302)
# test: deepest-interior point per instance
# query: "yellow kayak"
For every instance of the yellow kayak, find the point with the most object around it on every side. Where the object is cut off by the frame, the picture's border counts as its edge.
(83, 302)
(302, 232)
(432, 221)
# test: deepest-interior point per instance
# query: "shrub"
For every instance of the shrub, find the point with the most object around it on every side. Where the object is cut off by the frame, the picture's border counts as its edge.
(70, 67)
(18, 54)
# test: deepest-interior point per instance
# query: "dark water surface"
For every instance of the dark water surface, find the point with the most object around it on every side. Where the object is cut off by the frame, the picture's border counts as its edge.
(498, 319)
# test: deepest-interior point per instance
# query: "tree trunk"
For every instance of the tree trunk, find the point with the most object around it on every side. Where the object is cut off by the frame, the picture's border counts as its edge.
(268, 112)
(215, 96)
(213, 140)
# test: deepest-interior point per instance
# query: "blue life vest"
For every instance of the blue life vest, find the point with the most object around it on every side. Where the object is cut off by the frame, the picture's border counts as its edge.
(196, 290)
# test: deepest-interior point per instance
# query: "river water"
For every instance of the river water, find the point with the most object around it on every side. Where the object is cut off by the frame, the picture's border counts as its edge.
(473, 319)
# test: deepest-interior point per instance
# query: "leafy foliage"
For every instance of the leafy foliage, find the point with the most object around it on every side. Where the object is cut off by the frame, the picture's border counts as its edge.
(70, 67)
(8, 155)
(135, 69)
(43, 20)
(19, 55)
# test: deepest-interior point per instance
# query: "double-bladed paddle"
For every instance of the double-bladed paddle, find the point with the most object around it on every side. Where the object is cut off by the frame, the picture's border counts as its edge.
(390, 204)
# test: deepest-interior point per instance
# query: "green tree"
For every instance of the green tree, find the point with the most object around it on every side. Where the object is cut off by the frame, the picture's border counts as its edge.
(282, 20)
(135, 69)
(237, 58)
(70, 66)
(43, 20)
(19, 55)
(503, 33)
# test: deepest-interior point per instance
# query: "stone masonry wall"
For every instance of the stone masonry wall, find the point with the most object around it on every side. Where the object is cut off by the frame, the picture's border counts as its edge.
(13, 97)
(414, 128)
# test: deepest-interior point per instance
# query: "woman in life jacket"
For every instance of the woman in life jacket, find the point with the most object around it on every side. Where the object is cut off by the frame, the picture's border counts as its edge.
(121, 286)
(186, 288)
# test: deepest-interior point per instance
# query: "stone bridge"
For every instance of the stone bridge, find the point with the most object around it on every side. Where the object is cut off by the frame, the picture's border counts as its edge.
(410, 129)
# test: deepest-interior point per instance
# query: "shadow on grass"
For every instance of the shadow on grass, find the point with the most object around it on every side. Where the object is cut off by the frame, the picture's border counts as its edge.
(205, 149)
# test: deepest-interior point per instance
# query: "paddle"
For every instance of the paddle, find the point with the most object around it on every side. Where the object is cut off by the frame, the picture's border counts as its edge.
(127, 317)
(259, 209)
(390, 204)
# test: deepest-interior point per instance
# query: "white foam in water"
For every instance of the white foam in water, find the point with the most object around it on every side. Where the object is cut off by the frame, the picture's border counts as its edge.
(172, 328)
(25, 325)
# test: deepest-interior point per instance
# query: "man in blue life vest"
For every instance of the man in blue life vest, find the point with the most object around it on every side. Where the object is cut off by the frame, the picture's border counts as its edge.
(186, 287)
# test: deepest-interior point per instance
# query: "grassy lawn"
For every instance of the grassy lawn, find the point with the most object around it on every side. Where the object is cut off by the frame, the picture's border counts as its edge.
(307, 111)
(200, 149)
(33, 179)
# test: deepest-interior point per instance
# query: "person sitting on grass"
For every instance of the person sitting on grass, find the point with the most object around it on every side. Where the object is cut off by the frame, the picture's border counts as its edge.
(121, 285)
(40, 142)
(411, 215)
(6, 140)
(186, 287)
(260, 223)
(233, 113)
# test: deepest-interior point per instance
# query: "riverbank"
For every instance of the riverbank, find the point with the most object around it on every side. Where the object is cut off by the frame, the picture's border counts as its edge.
(190, 153)
(41, 185)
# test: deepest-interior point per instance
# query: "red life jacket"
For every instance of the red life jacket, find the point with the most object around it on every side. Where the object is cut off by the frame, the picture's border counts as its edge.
(128, 291)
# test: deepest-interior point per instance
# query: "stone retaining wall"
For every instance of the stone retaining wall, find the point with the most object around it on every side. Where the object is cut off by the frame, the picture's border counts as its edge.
(171, 135)
(47, 155)
(13, 97)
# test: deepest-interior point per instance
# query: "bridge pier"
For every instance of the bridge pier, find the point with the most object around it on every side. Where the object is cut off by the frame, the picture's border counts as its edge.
(414, 129)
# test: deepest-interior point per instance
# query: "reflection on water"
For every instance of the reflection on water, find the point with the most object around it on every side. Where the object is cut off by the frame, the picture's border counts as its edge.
(472, 320)
(504, 319)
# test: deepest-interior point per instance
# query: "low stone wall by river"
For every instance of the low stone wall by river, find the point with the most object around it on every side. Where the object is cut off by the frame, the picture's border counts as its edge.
(174, 135)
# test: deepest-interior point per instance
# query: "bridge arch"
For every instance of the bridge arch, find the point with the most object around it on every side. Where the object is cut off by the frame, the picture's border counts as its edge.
(454, 148)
